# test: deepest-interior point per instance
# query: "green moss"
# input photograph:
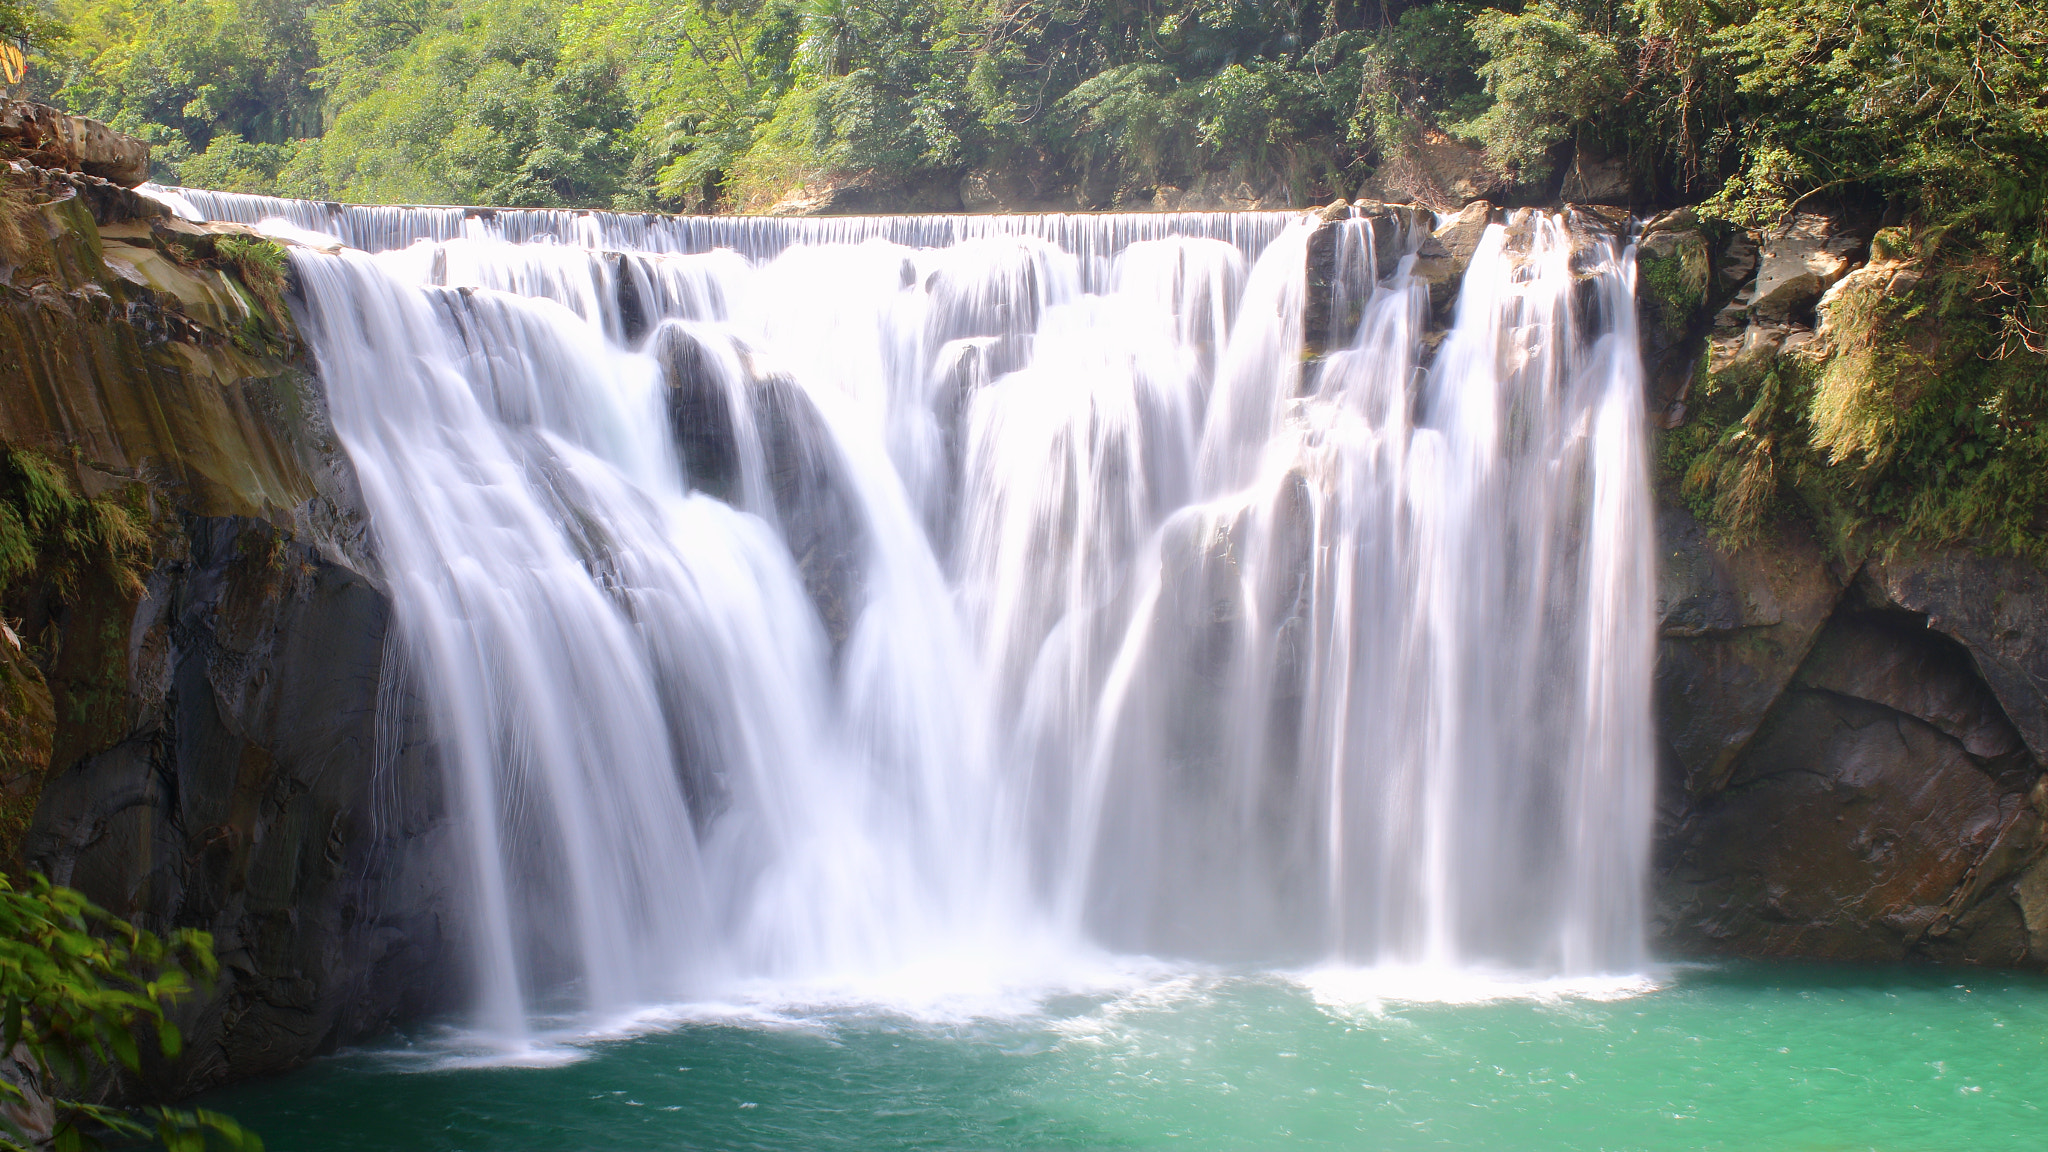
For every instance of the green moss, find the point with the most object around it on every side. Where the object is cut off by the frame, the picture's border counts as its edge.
(1682, 278)
(1674, 285)
(261, 266)
(1923, 422)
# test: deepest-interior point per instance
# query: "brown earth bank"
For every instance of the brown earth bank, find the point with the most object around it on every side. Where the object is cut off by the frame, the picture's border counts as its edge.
(1851, 744)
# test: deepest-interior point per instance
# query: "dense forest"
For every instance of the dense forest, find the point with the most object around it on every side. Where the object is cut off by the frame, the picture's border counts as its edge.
(700, 103)
(1924, 119)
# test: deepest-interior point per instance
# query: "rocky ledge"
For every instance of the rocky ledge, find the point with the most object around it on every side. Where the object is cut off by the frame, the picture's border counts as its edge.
(39, 135)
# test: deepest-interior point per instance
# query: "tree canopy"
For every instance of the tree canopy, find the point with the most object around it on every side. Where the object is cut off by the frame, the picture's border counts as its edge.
(701, 103)
(1924, 116)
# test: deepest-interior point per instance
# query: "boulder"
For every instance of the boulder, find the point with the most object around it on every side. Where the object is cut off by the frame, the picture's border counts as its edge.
(1799, 262)
(1593, 180)
(1438, 170)
(1676, 220)
(1672, 280)
(1887, 280)
(47, 138)
(1744, 354)
(1738, 262)
(1442, 259)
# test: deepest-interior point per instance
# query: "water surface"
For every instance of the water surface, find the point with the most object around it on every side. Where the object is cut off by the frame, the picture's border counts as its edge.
(1744, 1057)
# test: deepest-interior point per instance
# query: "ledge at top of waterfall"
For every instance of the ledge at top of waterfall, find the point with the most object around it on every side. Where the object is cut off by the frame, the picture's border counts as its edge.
(994, 593)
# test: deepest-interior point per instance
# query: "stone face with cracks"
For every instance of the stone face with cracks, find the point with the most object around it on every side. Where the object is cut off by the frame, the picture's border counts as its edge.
(1734, 626)
(1997, 609)
(1799, 262)
(47, 138)
(247, 799)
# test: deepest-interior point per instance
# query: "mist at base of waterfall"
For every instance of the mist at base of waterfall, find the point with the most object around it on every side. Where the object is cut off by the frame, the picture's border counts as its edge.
(1747, 1057)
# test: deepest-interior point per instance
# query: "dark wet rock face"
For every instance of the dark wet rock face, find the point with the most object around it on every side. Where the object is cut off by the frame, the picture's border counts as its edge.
(1881, 812)
(1843, 780)
(700, 413)
(1735, 626)
(813, 503)
(1851, 746)
(247, 799)
(1997, 608)
(720, 424)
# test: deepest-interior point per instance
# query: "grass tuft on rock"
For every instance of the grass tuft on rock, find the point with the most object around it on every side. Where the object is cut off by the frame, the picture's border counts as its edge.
(49, 529)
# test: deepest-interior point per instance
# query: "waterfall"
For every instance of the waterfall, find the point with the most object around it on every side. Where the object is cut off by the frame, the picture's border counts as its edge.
(809, 599)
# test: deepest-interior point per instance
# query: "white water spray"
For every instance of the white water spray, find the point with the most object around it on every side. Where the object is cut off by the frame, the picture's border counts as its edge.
(812, 601)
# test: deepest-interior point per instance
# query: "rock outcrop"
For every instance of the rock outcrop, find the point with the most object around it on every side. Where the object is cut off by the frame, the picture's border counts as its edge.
(221, 742)
(39, 135)
(1735, 627)
(1852, 746)
(1438, 171)
(1800, 261)
(1885, 809)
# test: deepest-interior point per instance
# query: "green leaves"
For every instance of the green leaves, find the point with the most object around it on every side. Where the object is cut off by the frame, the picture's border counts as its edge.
(467, 103)
(79, 988)
(49, 530)
(181, 72)
(1548, 71)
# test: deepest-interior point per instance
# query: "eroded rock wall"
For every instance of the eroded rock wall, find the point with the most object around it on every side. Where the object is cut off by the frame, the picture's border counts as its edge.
(228, 745)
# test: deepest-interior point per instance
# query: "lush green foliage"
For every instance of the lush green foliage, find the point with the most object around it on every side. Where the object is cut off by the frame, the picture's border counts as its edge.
(79, 990)
(1927, 421)
(182, 72)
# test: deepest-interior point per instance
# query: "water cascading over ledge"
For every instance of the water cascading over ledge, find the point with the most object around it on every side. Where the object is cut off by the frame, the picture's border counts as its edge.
(811, 600)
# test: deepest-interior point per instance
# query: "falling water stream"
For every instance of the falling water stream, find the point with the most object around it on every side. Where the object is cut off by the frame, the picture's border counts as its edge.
(976, 682)
(828, 600)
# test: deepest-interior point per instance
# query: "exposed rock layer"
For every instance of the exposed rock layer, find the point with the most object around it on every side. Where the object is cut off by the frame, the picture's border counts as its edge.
(1852, 746)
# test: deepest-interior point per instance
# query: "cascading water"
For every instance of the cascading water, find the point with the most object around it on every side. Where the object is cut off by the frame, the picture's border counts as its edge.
(808, 600)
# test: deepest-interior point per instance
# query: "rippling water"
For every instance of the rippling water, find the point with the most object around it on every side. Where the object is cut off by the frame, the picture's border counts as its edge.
(1740, 1057)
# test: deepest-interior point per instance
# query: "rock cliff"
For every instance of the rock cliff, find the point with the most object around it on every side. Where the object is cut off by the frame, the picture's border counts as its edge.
(211, 736)
(1852, 731)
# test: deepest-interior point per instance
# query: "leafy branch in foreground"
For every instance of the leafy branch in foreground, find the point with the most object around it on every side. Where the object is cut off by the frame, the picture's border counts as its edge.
(78, 986)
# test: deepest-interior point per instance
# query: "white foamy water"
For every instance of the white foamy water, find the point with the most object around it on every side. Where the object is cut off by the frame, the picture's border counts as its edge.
(925, 612)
